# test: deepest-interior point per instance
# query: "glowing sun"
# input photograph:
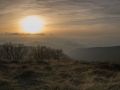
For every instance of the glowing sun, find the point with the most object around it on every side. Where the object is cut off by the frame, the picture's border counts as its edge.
(32, 24)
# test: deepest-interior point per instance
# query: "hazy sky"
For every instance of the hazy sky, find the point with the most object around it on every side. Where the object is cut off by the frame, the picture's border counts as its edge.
(87, 18)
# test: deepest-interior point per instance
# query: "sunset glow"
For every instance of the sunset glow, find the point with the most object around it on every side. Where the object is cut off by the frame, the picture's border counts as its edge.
(32, 24)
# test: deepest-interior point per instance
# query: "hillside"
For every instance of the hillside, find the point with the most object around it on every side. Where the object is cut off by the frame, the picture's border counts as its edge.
(98, 54)
(39, 72)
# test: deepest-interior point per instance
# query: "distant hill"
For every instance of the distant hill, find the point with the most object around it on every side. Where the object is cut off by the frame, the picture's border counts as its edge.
(102, 54)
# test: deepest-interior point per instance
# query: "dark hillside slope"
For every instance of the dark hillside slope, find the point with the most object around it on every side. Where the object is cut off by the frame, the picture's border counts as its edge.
(43, 68)
(99, 54)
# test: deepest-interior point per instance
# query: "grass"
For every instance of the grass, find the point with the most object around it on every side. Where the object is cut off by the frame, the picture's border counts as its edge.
(35, 71)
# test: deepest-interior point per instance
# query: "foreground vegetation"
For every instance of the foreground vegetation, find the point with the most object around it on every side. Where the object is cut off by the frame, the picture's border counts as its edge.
(42, 68)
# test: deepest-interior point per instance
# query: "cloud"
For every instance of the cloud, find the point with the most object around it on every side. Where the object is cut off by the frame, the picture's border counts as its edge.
(72, 9)
(64, 12)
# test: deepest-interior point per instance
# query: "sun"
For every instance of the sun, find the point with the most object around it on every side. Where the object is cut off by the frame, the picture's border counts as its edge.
(32, 24)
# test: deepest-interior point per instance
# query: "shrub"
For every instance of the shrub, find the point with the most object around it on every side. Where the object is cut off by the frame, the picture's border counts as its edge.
(45, 53)
(12, 52)
(19, 53)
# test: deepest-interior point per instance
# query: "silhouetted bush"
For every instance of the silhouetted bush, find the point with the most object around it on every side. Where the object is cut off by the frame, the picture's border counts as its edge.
(12, 52)
(19, 53)
(45, 53)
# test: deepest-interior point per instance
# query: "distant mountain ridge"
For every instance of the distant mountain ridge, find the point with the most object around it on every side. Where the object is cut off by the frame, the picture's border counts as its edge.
(101, 54)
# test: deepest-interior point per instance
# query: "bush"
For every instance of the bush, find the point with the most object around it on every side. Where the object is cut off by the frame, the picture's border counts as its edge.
(12, 52)
(45, 53)
(19, 53)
